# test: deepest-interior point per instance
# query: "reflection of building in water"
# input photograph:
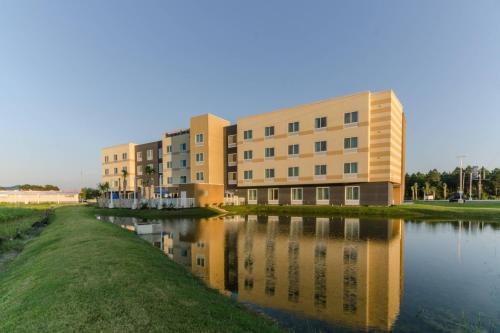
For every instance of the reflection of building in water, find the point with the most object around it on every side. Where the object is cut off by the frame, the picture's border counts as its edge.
(344, 271)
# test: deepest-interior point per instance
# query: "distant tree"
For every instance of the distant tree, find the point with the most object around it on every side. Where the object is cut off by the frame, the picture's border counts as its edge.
(148, 181)
(124, 175)
(103, 188)
(445, 191)
(88, 193)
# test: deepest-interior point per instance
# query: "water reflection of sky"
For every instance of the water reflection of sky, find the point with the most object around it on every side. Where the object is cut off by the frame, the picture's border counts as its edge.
(337, 274)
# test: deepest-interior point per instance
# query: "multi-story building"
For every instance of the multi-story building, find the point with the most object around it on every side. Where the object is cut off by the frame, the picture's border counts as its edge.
(347, 150)
(114, 161)
(149, 167)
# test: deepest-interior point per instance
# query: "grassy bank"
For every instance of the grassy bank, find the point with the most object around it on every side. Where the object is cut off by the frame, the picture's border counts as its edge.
(437, 211)
(84, 275)
(17, 221)
(156, 213)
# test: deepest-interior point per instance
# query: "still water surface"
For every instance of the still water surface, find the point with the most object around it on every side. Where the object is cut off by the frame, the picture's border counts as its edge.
(343, 274)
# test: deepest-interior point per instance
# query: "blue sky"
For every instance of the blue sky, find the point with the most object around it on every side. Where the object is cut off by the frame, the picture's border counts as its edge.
(77, 76)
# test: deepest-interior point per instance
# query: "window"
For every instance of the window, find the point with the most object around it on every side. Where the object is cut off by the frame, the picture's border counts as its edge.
(149, 154)
(115, 171)
(139, 182)
(200, 176)
(170, 180)
(231, 140)
(124, 156)
(200, 261)
(252, 195)
(160, 167)
(293, 149)
(115, 157)
(297, 194)
(183, 180)
(351, 143)
(106, 159)
(232, 159)
(160, 152)
(248, 135)
(352, 193)
(247, 155)
(272, 194)
(139, 156)
(293, 127)
(139, 170)
(293, 171)
(320, 170)
(350, 168)
(183, 146)
(199, 138)
(231, 177)
(116, 183)
(320, 146)
(269, 131)
(150, 166)
(248, 174)
(124, 168)
(199, 158)
(269, 152)
(320, 122)
(183, 163)
(169, 164)
(351, 117)
(322, 193)
(269, 173)
(106, 172)
(169, 148)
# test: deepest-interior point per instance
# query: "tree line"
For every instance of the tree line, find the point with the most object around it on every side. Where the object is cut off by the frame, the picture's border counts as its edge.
(442, 184)
(31, 187)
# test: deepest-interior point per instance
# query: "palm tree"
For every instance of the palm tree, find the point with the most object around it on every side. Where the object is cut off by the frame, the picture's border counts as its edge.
(415, 191)
(149, 171)
(445, 190)
(125, 175)
(103, 188)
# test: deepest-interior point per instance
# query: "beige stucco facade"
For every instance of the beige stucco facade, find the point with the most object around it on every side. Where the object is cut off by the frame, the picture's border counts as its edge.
(176, 158)
(113, 160)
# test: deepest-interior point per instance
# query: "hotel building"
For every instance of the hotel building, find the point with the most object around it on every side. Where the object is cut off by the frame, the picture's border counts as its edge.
(347, 150)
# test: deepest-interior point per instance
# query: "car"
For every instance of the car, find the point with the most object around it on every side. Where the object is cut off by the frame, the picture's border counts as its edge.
(455, 197)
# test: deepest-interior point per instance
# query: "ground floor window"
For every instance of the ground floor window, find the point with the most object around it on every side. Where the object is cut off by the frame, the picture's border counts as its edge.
(200, 261)
(297, 194)
(322, 193)
(252, 195)
(272, 194)
(352, 193)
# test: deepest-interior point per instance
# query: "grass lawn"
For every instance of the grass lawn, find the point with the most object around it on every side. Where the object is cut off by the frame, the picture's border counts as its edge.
(427, 211)
(156, 213)
(81, 274)
(16, 219)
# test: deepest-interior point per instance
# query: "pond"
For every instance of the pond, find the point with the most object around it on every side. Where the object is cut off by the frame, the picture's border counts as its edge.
(343, 274)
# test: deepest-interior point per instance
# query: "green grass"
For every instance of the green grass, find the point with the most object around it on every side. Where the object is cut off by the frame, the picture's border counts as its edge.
(16, 220)
(81, 274)
(421, 211)
(155, 213)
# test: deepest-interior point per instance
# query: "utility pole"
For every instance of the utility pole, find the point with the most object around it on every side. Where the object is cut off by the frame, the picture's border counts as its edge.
(461, 190)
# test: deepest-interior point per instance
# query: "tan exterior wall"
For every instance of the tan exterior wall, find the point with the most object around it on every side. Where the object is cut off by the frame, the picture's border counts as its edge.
(115, 178)
(204, 194)
(212, 128)
(176, 156)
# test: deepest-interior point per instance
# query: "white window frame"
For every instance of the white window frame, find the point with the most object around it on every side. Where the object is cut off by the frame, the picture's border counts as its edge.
(293, 177)
(139, 156)
(349, 122)
(139, 170)
(248, 135)
(320, 175)
(124, 156)
(296, 201)
(348, 144)
(320, 121)
(248, 175)
(295, 126)
(200, 158)
(149, 154)
(351, 174)
(169, 164)
(321, 151)
(269, 131)
(252, 201)
(232, 177)
(322, 201)
(269, 149)
(169, 149)
(200, 176)
(268, 172)
(271, 198)
(248, 155)
(183, 164)
(170, 180)
(295, 152)
(183, 147)
(199, 139)
(350, 199)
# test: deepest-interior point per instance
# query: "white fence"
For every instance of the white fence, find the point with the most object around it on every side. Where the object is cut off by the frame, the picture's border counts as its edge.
(36, 197)
(234, 201)
(165, 203)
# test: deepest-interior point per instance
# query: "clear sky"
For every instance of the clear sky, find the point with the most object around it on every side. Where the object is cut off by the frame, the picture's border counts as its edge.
(79, 75)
